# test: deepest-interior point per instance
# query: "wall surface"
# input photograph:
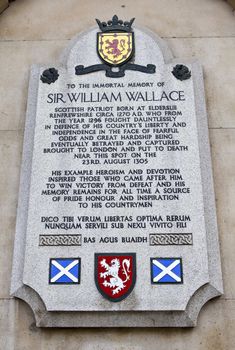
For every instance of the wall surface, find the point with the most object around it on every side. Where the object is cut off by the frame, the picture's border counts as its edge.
(34, 31)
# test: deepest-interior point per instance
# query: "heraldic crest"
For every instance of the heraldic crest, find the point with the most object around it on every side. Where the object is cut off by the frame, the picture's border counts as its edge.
(115, 274)
(115, 47)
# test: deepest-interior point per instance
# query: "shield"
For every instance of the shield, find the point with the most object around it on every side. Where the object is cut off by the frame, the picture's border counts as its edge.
(115, 274)
(115, 48)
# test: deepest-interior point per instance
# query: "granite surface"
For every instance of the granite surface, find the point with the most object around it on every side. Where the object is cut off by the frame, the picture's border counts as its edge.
(165, 305)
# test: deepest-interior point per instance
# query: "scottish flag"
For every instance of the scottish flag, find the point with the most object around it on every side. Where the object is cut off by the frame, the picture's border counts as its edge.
(64, 271)
(166, 270)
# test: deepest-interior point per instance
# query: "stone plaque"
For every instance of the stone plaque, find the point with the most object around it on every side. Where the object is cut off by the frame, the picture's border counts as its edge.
(116, 221)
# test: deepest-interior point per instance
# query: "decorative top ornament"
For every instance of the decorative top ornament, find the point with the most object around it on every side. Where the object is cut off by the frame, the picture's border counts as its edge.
(115, 25)
(115, 48)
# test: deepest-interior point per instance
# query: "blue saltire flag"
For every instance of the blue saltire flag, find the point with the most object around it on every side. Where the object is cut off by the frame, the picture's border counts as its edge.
(64, 271)
(166, 270)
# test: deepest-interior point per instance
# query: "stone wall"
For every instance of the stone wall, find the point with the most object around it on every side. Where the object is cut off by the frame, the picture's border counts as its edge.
(37, 32)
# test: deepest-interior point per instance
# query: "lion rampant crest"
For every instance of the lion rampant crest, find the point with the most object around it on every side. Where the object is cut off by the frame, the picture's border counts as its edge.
(115, 274)
(113, 47)
(116, 283)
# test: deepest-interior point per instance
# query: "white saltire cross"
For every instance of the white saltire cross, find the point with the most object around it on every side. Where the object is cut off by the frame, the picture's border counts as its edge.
(166, 270)
(64, 271)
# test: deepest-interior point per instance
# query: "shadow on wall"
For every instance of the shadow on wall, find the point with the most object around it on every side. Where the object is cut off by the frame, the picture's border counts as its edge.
(232, 3)
(4, 4)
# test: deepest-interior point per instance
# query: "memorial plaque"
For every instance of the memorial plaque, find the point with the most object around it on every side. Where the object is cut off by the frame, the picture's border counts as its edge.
(116, 221)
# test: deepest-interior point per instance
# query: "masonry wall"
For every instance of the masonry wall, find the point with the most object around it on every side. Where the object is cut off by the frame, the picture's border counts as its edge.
(34, 31)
